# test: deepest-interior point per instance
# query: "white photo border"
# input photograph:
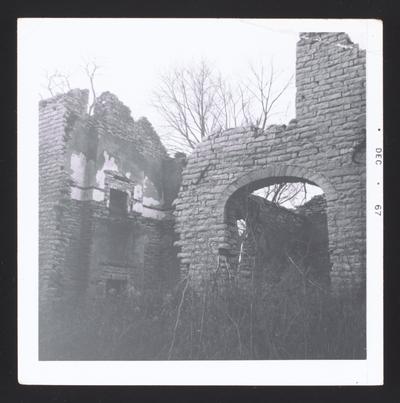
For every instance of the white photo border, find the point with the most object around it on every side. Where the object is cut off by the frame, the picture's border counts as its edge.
(280, 372)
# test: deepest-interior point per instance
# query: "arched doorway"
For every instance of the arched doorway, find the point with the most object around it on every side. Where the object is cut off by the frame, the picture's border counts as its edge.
(276, 231)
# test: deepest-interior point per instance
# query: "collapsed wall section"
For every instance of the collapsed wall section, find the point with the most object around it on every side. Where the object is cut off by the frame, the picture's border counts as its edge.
(274, 242)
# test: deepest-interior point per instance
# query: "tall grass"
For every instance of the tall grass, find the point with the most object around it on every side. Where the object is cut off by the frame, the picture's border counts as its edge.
(293, 319)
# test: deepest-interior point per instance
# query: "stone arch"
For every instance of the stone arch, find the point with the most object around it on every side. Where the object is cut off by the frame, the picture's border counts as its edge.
(277, 171)
(318, 146)
(272, 174)
(216, 171)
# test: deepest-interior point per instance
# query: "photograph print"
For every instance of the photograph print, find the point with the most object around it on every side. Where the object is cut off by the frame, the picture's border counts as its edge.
(201, 192)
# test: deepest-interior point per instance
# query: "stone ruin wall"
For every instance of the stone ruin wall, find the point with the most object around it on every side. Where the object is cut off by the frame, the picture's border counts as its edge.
(82, 243)
(322, 146)
(82, 157)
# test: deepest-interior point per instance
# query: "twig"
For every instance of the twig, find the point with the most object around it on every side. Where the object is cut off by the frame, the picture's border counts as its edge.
(237, 332)
(177, 319)
(303, 274)
(202, 319)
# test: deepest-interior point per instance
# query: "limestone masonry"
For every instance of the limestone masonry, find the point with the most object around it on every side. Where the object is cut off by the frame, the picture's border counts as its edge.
(321, 146)
(117, 213)
(106, 187)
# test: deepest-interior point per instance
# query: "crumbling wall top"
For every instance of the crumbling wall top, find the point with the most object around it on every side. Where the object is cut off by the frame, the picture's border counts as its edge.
(327, 38)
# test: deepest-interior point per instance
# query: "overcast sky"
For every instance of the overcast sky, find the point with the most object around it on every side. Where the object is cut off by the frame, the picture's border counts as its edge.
(133, 53)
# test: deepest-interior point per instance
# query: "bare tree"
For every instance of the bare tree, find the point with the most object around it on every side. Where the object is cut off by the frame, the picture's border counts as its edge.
(90, 69)
(187, 99)
(285, 193)
(260, 93)
(196, 101)
(58, 82)
(229, 104)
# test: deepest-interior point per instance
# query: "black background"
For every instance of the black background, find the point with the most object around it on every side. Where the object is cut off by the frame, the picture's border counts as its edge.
(10, 390)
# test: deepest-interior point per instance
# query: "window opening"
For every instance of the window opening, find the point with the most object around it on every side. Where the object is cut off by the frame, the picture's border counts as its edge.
(118, 202)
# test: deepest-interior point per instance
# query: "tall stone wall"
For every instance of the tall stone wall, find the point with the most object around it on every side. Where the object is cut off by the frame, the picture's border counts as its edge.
(318, 147)
(55, 118)
(84, 240)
